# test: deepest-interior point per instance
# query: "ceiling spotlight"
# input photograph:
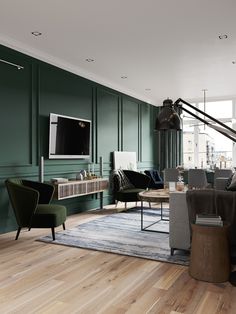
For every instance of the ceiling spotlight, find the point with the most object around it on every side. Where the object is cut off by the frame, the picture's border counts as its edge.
(234, 62)
(36, 33)
(148, 89)
(124, 77)
(223, 36)
(89, 60)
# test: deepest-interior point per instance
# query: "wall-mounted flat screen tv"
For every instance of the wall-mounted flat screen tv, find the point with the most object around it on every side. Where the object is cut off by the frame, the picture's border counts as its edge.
(69, 137)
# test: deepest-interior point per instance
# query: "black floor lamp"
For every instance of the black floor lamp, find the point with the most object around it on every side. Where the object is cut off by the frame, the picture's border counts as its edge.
(168, 118)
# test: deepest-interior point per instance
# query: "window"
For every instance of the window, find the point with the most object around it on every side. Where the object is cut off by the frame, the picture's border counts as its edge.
(210, 149)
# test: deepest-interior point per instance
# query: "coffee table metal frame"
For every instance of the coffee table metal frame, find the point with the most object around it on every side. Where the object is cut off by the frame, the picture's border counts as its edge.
(153, 196)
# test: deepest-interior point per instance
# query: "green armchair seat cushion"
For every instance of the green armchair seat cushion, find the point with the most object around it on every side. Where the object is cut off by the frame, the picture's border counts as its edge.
(48, 216)
(129, 195)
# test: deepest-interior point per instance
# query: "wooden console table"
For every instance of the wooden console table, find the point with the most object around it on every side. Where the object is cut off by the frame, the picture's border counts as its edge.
(79, 188)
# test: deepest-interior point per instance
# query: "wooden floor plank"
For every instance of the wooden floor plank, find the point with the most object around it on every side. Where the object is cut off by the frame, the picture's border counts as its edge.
(44, 278)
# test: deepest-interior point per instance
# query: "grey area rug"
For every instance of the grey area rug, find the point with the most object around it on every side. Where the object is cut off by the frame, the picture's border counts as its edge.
(120, 233)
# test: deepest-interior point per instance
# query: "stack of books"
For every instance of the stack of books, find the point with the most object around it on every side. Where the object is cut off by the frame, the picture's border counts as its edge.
(209, 220)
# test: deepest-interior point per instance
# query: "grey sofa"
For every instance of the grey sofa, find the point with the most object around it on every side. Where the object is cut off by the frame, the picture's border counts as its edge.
(179, 236)
(184, 207)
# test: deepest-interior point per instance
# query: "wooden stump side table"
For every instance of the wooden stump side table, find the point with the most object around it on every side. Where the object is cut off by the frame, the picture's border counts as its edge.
(210, 260)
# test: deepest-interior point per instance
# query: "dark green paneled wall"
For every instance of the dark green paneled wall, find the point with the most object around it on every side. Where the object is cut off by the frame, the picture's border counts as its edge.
(107, 119)
(27, 96)
(130, 126)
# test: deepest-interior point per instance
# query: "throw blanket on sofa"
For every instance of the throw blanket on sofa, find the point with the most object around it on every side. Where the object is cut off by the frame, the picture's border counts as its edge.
(121, 182)
(218, 202)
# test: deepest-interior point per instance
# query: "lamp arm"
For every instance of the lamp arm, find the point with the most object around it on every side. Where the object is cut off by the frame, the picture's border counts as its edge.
(177, 103)
(207, 123)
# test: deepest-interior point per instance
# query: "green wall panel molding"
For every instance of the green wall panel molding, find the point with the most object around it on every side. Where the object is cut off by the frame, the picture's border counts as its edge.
(130, 126)
(147, 133)
(62, 93)
(16, 115)
(28, 96)
(108, 124)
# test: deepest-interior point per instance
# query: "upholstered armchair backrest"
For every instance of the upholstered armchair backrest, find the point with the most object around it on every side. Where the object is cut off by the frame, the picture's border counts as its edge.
(197, 178)
(24, 201)
(45, 190)
(171, 175)
(139, 180)
(154, 175)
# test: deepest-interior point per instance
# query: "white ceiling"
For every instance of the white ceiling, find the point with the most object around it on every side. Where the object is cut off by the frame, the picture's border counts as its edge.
(169, 46)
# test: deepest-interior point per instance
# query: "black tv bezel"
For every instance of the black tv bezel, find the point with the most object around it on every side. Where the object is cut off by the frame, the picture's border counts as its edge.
(56, 156)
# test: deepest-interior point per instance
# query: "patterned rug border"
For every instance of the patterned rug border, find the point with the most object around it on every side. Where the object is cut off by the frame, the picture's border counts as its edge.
(105, 234)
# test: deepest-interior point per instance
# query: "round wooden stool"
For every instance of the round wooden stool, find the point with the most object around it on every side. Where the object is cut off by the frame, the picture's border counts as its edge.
(209, 260)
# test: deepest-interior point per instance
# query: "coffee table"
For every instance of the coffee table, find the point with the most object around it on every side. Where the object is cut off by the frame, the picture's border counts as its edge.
(154, 196)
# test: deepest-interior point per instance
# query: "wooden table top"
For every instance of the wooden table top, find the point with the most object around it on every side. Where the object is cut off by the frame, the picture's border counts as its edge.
(160, 195)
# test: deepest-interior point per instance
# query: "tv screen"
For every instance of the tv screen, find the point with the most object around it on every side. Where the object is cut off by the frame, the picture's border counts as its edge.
(69, 137)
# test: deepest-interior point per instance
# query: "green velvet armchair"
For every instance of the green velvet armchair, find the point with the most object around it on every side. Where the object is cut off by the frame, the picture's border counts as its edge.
(30, 202)
(135, 182)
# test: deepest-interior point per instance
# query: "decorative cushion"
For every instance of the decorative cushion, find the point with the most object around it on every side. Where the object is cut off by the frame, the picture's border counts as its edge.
(124, 182)
(231, 184)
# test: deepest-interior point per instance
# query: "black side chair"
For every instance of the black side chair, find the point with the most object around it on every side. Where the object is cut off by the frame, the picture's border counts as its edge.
(135, 182)
(30, 201)
(156, 181)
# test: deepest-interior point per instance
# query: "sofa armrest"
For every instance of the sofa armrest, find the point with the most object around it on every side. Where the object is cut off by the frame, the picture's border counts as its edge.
(179, 237)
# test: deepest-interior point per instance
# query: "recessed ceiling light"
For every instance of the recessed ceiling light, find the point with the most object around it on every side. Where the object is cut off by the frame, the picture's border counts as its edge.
(234, 62)
(223, 36)
(36, 33)
(124, 77)
(89, 60)
(148, 89)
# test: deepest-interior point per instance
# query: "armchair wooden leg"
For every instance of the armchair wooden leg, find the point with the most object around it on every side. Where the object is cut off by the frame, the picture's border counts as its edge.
(18, 233)
(53, 233)
(64, 226)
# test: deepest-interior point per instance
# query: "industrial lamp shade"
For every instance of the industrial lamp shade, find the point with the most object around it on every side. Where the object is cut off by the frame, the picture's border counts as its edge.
(168, 118)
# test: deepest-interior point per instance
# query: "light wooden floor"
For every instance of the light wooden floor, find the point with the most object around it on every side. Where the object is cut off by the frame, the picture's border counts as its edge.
(36, 277)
